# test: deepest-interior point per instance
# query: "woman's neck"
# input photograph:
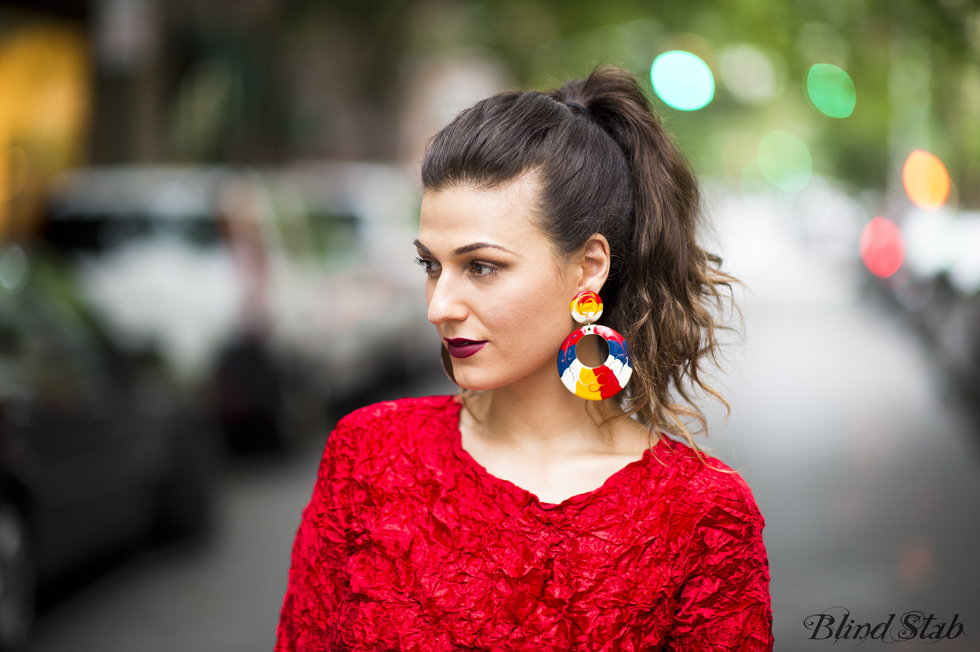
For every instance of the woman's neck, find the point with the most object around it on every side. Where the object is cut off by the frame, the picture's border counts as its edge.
(537, 415)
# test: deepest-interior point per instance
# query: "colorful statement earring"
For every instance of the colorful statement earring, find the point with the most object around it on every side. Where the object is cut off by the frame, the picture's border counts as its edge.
(593, 383)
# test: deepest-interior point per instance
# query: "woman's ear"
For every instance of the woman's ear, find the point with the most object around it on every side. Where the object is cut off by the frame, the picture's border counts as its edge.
(594, 263)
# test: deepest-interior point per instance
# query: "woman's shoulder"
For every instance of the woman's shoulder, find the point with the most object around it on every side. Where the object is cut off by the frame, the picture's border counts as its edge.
(390, 419)
(398, 412)
(708, 483)
(372, 438)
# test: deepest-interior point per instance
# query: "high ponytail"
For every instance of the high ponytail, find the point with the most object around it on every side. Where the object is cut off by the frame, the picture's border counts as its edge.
(610, 169)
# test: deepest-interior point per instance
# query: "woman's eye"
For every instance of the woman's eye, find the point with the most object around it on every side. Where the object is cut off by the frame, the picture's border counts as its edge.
(432, 269)
(483, 270)
(426, 266)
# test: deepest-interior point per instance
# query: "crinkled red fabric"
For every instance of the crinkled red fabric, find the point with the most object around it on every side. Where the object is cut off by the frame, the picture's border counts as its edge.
(409, 544)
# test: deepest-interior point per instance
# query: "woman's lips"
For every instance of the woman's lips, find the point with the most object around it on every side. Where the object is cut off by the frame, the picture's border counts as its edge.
(460, 348)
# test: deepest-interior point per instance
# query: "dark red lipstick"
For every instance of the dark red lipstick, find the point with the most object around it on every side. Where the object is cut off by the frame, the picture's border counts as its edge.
(461, 348)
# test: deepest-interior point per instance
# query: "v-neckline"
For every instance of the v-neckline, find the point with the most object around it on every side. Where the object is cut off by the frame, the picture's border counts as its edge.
(456, 437)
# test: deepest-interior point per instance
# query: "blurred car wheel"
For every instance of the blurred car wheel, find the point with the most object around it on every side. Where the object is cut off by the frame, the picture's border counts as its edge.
(17, 578)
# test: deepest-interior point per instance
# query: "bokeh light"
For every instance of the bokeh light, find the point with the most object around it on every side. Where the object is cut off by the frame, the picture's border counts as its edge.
(682, 80)
(882, 247)
(785, 161)
(926, 180)
(748, 74)
(831, 90)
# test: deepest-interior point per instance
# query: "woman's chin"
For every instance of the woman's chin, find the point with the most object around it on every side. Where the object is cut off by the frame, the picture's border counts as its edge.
(474, 386)
(476, 382)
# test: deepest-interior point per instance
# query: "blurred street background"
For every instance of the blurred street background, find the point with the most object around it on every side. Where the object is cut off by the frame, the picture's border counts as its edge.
(206, 217)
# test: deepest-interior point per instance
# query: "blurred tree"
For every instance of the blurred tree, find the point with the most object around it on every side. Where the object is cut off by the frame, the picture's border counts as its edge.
(914, 63)
(267, 80)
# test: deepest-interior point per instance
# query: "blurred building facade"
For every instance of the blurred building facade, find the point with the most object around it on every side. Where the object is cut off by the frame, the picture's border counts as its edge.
(263, 82)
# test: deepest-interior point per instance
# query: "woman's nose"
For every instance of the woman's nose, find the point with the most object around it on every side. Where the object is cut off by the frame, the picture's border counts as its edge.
(445, 304)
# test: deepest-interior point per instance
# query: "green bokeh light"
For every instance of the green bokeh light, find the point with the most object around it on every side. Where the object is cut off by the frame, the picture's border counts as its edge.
(682, 80)
(785, 161)
(831, 90)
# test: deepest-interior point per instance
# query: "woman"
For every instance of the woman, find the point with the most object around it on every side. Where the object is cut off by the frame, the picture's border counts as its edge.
(545, 508)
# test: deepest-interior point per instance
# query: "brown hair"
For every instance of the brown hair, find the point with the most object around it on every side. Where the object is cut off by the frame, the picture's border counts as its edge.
(607, 166)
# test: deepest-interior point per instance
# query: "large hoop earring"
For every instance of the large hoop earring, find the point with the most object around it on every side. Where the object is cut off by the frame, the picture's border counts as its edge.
(609, 378)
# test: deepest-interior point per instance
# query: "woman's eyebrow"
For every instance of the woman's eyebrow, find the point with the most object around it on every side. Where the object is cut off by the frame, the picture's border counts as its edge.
(466, 248)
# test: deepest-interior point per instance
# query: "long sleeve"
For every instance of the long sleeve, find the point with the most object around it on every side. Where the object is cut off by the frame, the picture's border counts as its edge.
(724, 600)
(318, 573)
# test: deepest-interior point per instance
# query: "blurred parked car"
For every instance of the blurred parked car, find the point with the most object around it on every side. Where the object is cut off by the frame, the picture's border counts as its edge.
(283, 288)
(97, 448)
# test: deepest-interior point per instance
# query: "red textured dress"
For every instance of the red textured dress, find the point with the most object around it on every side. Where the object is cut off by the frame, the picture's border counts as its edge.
(409, 544)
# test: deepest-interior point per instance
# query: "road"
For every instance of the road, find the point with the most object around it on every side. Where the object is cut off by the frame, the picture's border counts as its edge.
(867, 472)
(864, 463)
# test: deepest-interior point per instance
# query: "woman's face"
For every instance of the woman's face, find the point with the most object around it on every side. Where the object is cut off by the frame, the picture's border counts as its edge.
(496, 291)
